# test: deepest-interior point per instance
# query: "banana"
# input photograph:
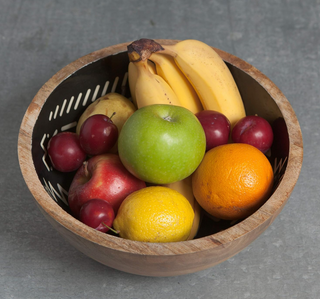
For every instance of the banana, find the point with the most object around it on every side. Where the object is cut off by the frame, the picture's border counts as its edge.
(209, 76)
(170, 72)
(133, 75)
(185, 188)
(151, 88)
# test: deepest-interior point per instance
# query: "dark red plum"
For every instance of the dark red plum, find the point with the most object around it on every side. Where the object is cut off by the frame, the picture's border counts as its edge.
(65, 152)
(253, 130)
(216, 127)
(98, 214)
(98, 134)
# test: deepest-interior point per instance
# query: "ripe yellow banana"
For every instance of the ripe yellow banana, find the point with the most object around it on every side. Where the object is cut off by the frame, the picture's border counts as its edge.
(170, 72)
(151, 88)
(185, 188)
(133, 75)
(209, 76)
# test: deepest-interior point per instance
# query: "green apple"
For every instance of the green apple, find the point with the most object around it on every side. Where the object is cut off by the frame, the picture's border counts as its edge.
(162, 144)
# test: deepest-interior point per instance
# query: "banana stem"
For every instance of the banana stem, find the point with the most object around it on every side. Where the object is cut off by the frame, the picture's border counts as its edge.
(142, 66)
(169, 50)
(142, 49)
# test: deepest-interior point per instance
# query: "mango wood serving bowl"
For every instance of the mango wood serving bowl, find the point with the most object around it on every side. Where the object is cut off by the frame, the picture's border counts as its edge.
(57, 107)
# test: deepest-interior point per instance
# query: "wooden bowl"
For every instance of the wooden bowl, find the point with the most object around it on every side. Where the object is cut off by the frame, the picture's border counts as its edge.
(61, 101)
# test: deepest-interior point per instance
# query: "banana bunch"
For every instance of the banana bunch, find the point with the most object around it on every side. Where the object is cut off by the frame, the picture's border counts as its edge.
(147, 87)
(189, 73)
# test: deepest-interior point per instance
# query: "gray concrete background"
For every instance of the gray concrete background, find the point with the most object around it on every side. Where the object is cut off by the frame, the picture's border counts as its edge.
(279, 37)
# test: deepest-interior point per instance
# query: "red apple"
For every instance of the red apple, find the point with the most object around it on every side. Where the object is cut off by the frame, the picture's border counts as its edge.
(253, 130)
(103, 177)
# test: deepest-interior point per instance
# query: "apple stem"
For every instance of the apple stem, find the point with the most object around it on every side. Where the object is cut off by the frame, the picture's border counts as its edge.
(85, 165)
(112, 115)
(113, 230)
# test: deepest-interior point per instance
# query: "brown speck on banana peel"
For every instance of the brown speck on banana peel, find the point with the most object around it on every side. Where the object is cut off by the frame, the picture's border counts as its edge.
(142, 49)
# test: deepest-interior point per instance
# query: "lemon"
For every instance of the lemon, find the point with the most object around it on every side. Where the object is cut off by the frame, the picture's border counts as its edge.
(155, 214)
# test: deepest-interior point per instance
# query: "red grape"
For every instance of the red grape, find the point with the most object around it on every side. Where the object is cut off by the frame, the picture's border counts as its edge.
(216, 127)
(98, 214)
(65, 152)
(253, 130)
(98, 134)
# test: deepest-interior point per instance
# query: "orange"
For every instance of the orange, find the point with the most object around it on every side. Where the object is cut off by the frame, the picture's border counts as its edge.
(232, 181)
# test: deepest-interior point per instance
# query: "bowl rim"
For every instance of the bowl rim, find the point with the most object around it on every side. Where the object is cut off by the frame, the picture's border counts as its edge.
(254, 223)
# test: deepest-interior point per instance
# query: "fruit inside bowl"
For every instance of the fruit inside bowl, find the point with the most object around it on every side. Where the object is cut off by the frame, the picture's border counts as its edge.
(58, 107)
